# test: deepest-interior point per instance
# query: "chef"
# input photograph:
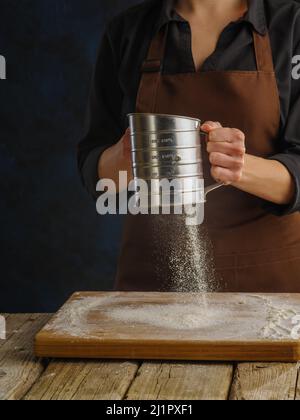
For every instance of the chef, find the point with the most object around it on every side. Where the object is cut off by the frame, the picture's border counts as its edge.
(229, 63)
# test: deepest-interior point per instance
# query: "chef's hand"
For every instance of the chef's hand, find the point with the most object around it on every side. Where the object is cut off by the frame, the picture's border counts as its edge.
(115, 159)
(226, 148)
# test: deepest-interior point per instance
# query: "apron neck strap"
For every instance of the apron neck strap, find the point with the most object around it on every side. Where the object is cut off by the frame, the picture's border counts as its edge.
(156, 53)
(263, 52)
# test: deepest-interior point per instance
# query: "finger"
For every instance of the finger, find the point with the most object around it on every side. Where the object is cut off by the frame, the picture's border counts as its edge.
(226, 175)
(225, 161)
(229, 135)
(210, 125)
(231, 149)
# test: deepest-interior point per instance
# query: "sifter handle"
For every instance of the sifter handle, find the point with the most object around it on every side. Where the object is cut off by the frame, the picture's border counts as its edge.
(213, 187)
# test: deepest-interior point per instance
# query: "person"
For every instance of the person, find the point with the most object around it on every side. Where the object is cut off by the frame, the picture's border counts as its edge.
(230, 64)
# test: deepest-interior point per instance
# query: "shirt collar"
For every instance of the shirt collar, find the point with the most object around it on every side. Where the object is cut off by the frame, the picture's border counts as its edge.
(255, 16)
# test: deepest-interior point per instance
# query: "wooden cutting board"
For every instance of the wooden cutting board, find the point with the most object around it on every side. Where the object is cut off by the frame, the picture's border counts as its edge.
(175, 326)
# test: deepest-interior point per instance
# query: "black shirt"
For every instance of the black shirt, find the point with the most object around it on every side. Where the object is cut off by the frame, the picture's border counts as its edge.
(124, 48)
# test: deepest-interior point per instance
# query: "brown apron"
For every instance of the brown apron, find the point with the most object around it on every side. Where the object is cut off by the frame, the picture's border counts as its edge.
(254, 251)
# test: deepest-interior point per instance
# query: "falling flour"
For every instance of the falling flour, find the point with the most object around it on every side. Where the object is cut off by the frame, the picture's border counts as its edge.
(188, 253)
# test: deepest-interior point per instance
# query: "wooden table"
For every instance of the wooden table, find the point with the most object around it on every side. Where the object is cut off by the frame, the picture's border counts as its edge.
(22, 376)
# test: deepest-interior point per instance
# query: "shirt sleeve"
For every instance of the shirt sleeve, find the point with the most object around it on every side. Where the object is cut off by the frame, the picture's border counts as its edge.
(103, 126)
(290, 156)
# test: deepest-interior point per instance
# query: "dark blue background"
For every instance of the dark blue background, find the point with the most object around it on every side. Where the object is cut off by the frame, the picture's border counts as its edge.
(52, 241)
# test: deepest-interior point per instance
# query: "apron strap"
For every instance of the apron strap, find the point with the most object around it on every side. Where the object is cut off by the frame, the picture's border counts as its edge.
(152, 71)
(263, 52)
(156, 53)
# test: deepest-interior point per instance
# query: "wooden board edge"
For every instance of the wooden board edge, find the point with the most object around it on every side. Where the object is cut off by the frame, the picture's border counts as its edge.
(129, 350)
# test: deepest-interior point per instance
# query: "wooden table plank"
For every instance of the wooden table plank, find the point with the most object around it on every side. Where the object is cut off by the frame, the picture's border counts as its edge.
(265, 381)
(84, 380)
(181, 381)
(19, 369)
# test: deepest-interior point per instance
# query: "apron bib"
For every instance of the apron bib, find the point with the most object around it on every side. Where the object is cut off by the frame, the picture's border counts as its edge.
(253, 250)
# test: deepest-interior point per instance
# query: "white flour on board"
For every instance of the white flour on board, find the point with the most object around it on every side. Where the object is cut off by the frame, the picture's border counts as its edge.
(175, 317)
(207, 317)
(75, 319)
(72, 319)
(280, 321)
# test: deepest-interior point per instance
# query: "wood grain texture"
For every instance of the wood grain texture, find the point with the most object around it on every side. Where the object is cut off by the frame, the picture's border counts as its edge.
(239, 327)
(261, 381)
(297, 394)
(19, 369)
(24, 377)
(181, 381)
(84, 381)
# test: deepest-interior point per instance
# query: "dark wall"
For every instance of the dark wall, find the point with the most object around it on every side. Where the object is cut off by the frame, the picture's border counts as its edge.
(52, 241)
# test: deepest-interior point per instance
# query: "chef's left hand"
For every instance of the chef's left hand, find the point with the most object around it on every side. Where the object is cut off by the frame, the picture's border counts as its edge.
(226, 148)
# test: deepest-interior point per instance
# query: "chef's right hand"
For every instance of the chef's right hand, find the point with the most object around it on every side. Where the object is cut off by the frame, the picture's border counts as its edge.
(115, 159)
